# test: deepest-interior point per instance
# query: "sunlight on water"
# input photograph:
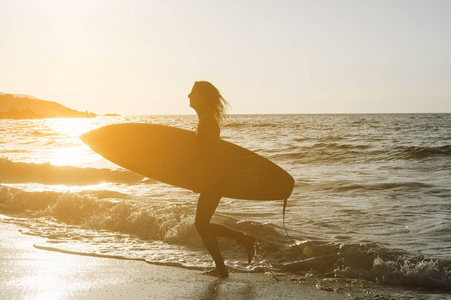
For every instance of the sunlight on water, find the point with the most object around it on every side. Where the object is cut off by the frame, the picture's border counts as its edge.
(75, 152)
(67, 156)
(71, 127)
(60, 188)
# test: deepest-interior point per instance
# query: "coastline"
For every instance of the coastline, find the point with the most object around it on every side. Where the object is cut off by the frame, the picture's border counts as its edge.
(32, 273)
(28, 272)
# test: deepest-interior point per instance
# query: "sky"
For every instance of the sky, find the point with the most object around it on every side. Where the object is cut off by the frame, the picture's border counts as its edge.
(143, 56)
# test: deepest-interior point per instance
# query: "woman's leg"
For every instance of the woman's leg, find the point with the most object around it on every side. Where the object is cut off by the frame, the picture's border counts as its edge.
(206, 206)
(246, 240)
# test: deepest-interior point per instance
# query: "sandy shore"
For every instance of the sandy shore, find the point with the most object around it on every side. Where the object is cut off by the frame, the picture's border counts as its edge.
(30, 273)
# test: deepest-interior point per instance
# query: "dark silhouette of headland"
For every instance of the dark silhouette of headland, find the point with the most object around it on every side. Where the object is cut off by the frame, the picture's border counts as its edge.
(28, 107)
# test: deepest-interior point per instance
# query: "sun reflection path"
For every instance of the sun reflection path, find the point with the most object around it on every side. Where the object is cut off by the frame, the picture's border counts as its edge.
(69, 156)
(73, 151)
(72, 127)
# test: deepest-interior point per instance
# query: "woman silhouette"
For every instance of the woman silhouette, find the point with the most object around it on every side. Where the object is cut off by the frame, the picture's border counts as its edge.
(210, 107)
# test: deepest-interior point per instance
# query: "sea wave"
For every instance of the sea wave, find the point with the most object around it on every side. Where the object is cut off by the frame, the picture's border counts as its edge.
(19, 172)
(398, 270)
(114, 211)
(254, 125)
(328, 152)
(421, 152)
(321, 152)
(350, 186)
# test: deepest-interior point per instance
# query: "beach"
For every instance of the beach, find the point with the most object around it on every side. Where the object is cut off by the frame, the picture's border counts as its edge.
(369, 214)
(30, 273)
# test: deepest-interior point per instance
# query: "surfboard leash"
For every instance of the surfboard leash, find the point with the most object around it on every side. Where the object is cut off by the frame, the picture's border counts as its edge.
(277, 248)
(286, 232)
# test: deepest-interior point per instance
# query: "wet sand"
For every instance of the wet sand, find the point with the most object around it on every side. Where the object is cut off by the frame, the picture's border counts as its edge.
(27, 272)
(30, 273)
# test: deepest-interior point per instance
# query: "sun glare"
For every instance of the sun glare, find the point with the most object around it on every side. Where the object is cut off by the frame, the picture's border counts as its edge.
(74, 152)
(51, 276)
(71, 127)
(67, 156)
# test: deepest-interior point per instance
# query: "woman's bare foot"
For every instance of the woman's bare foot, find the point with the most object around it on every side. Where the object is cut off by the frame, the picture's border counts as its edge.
(249, 246)
(221, 273)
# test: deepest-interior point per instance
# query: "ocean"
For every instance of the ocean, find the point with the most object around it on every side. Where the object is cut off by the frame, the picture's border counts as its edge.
(372, 199)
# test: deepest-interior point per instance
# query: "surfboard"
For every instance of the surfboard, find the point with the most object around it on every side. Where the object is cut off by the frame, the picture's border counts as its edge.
(167, 154)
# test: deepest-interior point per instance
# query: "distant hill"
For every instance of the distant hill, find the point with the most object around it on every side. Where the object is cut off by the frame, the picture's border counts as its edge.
(29, 107)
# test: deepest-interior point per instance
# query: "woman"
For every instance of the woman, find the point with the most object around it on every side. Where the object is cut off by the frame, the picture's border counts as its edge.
(210, 107)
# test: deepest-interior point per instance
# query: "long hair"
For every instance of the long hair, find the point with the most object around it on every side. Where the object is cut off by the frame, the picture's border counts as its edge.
(214, 102)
